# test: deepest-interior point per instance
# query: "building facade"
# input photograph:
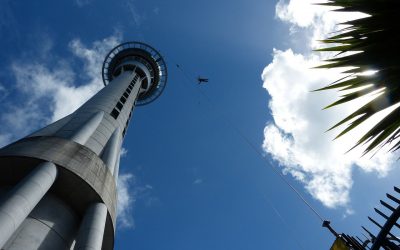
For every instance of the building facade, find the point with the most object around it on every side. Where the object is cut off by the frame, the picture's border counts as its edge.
(58, 185)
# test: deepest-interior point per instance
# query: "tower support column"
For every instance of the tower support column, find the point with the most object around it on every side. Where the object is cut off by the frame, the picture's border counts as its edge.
(116, 169)
(83, 134)
(91, 231)
(111, 152)
(21, 200)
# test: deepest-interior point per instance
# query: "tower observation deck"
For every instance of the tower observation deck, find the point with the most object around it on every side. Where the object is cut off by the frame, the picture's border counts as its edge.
(58, 185)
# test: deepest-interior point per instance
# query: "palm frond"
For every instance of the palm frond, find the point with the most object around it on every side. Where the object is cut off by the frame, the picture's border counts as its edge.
(373, 44)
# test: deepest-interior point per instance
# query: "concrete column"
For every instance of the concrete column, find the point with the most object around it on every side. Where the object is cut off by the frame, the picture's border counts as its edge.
(110, 153)
(84, 133)
(116, 169)
(91, 231)
(23, 198)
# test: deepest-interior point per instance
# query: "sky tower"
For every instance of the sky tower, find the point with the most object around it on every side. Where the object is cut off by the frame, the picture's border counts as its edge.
(58, 185)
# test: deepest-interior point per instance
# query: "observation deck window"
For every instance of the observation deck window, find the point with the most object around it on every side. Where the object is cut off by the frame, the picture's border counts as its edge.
(122, 99)
(115, 113)
(119, 106)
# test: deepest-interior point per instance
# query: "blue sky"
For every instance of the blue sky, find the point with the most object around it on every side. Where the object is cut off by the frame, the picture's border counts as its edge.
(189, 180)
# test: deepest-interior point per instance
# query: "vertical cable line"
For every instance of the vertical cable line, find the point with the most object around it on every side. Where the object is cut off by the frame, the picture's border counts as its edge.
(253, 146)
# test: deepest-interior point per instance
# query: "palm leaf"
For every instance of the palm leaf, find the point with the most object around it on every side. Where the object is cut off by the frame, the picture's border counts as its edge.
(375, 39)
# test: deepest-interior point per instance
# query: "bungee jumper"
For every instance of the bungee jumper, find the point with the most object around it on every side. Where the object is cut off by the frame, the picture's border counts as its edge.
(201, 80)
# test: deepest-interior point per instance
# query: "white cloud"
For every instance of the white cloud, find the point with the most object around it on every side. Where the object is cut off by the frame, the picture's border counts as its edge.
(123, 152)
(129, 192)
(125, 200)
(297, 138)
(302, 13)
(307, 14)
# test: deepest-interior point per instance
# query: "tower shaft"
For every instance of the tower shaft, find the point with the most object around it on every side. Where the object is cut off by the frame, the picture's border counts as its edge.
(58, 185)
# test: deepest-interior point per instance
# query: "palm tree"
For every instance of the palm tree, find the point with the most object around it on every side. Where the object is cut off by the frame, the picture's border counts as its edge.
(368, 43)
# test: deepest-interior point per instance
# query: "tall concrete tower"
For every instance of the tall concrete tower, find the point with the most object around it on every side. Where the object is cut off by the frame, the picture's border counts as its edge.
(58, 185)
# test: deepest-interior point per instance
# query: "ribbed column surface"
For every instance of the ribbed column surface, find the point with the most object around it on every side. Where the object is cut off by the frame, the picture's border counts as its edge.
(111, 151)
(91, 231)
(21, 200)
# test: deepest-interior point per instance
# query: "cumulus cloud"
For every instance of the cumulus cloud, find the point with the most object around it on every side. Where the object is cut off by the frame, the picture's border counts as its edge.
(308, 17)
(296, 138)
(299, 12)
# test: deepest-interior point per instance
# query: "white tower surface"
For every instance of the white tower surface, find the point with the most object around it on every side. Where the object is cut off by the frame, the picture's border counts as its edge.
(58, 185)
